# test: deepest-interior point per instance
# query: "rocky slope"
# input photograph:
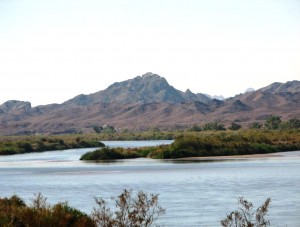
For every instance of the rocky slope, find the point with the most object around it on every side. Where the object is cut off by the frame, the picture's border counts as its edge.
(145, 102)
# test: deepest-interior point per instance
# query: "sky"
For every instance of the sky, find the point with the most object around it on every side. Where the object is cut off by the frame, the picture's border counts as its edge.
(51, 51)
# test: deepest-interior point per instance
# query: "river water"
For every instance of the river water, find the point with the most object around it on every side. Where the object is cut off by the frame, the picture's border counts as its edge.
(194, 193)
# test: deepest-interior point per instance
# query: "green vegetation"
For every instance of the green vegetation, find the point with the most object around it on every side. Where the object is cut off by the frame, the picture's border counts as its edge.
(25, 144)
(235, 126)
(229, 143)
(210, 143)
(141, 210)
(255, 125)
(213, 139)
(14, 212)
(107, 153)
(104, 129)
(213, 126)
(273, 122)
(38, 143)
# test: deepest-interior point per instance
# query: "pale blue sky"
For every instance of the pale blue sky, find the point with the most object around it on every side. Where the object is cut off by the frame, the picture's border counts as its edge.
(51, 51)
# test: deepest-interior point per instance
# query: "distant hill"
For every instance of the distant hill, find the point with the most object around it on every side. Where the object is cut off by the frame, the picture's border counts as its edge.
(145, 102)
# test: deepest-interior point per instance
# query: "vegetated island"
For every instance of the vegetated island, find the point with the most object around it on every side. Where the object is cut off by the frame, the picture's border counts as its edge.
(10, 145)
(210, 143)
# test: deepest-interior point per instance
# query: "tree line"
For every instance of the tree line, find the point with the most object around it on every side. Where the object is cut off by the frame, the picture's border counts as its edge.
(273, 122)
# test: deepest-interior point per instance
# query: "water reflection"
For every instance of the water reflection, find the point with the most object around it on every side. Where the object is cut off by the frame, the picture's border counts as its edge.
(184, 161)
(104, 162)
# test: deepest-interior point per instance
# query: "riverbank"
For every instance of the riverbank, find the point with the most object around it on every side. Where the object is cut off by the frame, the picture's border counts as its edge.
(287, 154)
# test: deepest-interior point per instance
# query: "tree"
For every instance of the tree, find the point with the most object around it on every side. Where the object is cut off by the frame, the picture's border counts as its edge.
(273, 122)
(195, 128)
(98, 129)
(291, 124)
(235, 126)
(255, 125)
(245, 217)
(108, 129)
(294, 123)
(140, 211)
(213, 126)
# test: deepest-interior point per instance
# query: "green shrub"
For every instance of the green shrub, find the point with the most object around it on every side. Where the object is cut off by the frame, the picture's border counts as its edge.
(14, 212)
(107, 153)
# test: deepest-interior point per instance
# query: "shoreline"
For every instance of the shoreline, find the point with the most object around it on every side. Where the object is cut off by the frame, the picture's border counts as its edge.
(287, 154)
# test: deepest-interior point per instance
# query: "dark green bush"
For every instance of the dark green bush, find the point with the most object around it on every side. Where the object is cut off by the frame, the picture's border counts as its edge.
(107, 153)
(14, 212)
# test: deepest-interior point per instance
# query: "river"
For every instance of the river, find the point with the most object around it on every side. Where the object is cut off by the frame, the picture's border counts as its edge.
(194, 193)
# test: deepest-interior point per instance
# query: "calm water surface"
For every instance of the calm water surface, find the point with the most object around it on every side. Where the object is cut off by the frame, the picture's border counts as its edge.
(193, 193)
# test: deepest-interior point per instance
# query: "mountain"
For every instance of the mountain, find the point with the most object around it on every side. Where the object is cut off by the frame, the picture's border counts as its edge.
(147, 88)
(145, 102)
(275, 99)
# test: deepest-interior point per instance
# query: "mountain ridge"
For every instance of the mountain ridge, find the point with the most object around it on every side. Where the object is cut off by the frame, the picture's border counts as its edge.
(145, 102)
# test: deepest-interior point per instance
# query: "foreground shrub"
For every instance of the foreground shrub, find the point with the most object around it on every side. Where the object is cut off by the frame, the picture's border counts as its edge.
(139, 211)
(246, 217)
(14, 212)
(135, 211)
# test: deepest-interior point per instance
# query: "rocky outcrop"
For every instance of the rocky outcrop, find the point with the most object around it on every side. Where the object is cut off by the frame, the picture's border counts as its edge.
(14, 105)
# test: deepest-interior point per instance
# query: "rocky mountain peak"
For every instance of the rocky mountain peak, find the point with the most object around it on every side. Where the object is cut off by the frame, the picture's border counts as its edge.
(275, 88)
(150, 75)
(271, 88)
(13, 105)
(155, 81)
(148, 88)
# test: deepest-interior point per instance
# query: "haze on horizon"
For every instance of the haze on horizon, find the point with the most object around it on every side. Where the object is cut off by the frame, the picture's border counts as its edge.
(51, 51)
